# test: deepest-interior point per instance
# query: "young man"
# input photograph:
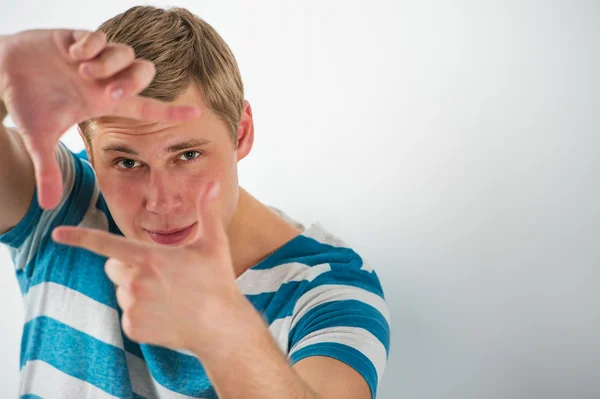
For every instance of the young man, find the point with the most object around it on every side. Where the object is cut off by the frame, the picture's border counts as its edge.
(212, 293)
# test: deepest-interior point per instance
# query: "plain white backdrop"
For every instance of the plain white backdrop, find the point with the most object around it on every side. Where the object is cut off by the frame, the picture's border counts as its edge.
(455, 145)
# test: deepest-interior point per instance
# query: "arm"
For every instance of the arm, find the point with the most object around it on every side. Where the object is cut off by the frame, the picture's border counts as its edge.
(249, 364)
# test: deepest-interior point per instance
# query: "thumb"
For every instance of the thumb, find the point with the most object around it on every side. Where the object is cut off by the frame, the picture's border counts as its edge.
(48, 176)
(211, 231)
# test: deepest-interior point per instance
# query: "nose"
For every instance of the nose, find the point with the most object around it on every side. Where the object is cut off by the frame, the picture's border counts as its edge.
(162, 193)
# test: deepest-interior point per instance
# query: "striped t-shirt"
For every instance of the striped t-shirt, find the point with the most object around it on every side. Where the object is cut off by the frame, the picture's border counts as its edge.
(315, 294)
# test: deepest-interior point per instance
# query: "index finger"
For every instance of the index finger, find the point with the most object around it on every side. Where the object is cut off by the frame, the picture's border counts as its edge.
(102, 243)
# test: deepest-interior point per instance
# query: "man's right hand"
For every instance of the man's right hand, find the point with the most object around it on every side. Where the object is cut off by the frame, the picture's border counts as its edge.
(52, 79)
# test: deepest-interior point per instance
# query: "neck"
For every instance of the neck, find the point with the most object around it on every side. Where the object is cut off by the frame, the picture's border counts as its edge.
(255, 232)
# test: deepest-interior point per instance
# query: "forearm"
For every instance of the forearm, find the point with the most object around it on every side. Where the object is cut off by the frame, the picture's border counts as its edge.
(244, 360)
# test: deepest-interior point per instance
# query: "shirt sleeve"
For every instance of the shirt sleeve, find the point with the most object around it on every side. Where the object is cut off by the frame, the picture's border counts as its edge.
(27, 240)
(343, 315)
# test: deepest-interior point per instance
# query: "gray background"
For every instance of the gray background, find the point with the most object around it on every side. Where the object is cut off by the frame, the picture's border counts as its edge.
(454, 144)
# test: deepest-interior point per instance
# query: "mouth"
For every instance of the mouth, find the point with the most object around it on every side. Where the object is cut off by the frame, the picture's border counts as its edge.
(170, 237)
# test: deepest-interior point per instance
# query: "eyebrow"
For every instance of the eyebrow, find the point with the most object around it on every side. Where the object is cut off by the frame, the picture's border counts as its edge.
(177, 147)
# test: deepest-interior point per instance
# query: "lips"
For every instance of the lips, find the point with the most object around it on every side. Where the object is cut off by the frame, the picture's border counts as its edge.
(170, 237)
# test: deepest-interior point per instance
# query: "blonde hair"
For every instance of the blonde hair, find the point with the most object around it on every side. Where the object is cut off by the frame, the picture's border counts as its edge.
(184, 49)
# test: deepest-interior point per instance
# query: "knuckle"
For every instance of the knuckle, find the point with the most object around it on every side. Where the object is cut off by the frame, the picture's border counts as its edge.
(129, 327)
(128, 307)
(135, 286)
(144, 72)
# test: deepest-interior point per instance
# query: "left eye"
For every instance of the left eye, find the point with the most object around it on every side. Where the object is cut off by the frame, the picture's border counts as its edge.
(189, 155)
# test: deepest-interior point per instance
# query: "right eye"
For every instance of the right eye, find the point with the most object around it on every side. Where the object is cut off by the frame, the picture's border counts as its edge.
(127, 164)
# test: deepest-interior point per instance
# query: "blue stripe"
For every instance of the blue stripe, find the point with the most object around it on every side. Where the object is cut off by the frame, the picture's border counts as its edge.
(368, 281)
(77, 269)
(18, 234)
(178, 372)
(278, 304)
(310, 252)
(345, 354)
(136, 396)
(82, 154)
(29, 396)
(346, 313)
(76, 354)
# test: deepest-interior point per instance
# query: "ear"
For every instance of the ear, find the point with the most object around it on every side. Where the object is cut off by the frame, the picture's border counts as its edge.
(87, 147)
(245, 132)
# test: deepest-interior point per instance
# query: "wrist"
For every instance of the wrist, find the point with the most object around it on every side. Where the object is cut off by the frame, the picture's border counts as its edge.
(234, 325)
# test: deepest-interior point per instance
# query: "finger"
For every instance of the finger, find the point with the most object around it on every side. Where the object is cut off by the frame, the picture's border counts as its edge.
(144, 108)
(48, 176)
(120, 273)
(106, 244)
(132, 80)
(87, 46)
(113, 59)
(211, 230)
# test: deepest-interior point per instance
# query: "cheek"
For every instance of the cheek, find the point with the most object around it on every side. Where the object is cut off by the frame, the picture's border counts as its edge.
(124, 198)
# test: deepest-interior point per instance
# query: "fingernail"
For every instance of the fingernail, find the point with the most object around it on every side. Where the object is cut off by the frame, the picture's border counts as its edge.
(117, 93)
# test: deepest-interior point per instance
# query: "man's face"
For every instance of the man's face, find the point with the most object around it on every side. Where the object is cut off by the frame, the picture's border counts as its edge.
(151, 173)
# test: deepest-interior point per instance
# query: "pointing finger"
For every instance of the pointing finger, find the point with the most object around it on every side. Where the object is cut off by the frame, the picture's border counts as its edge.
(106, 244)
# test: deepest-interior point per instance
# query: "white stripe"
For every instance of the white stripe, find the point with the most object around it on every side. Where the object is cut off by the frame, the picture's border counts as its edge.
(318, 233)
(355, 337)
(332, 292)
(41, 379)
(139, 375)
(254, 282)
(94, 217)
(280, 330)
(30, 246)
(74, 309)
